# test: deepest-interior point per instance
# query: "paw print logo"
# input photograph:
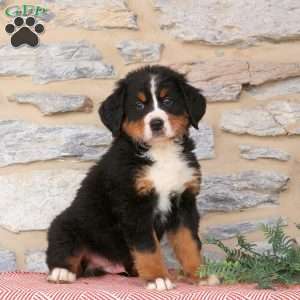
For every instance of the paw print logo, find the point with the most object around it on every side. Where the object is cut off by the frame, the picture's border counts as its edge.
(24, 31)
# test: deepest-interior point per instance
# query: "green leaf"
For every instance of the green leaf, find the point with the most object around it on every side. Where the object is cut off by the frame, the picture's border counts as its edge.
(244, 264)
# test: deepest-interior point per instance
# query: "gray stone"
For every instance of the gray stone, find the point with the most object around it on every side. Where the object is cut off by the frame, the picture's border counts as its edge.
(8, 261)
(134, 51)
(169, 255)
(35, 261)
(204, 141)
(253, 121)
(54, 62)
(287, 114)
(263, 72)
(50, 104)
(30, 201)
(276, 118)
(228, 231)
(92, 14)
(222, 23)
(276, 89)
(223, 79)
(241, 190)
(218, 79)
(23, 142)
(254, 152)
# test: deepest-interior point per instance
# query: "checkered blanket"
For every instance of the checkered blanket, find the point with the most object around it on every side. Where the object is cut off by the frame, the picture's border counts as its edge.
(33, 286)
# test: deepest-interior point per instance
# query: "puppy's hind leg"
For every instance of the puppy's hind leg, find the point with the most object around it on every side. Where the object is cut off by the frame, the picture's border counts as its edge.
(130, 270)
(65, 254)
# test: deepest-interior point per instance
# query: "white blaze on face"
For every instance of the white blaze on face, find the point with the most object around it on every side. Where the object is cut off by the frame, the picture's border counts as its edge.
(156, 113)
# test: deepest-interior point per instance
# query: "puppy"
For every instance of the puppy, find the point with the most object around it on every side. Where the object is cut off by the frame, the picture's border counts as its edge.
(145, 186)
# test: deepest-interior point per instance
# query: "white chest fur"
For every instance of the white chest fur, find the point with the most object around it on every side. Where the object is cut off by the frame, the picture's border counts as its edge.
(168, 173)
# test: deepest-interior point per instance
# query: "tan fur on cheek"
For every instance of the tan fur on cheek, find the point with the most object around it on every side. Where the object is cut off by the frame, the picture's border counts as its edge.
(134, 129)
(150, 265)
(186, 250)
(179, 124)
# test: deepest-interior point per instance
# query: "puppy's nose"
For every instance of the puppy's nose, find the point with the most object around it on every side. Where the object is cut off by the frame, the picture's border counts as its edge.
(156, 124)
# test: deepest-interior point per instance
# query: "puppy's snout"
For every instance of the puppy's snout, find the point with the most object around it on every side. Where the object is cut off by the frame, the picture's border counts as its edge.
(156, 124)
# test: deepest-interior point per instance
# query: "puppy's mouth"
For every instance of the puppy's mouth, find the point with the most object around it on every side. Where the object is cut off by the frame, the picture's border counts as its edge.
(159, 133)
(159, 136)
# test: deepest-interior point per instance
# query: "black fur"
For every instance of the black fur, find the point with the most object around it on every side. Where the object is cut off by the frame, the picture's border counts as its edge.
(112, 110)
(195, 103)
(108, 217)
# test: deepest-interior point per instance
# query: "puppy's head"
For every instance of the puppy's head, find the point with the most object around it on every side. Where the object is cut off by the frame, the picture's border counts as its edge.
(152, 104)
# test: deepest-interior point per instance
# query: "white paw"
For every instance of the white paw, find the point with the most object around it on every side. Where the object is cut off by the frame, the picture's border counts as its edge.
(160, 284)
(211, 280)
(60, 275)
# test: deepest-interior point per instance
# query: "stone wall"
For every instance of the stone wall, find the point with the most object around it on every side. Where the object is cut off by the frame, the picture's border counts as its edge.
(247, 65)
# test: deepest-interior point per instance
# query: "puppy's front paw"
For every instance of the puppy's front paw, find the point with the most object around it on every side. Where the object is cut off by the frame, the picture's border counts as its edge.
(160, 284)
(211, 280)
(60, 275)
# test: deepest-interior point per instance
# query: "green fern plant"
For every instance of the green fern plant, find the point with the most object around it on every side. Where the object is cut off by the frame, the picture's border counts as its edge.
(244, 264)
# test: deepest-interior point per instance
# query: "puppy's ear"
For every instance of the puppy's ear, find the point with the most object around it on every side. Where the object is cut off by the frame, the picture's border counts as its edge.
(111, 110)
(195, 103)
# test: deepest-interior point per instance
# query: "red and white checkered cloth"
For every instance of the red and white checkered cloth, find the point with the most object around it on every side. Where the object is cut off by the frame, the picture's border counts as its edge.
(33, 286)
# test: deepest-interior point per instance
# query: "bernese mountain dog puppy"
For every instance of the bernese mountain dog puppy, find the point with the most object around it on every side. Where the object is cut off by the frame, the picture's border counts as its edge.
(145, 186)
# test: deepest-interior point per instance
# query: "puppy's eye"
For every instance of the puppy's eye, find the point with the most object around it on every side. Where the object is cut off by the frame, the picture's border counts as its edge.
(139, 105)
(167, 101)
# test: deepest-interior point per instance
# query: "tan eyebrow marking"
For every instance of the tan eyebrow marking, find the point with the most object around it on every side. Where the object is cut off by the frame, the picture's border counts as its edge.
(141, 96)
(163, 93)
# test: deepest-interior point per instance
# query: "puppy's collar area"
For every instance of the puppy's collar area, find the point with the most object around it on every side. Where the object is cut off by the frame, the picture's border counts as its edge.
(140, 147)
(180, 140)
(143, 149)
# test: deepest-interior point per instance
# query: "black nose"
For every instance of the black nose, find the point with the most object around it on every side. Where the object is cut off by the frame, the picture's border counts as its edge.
(156, 124)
